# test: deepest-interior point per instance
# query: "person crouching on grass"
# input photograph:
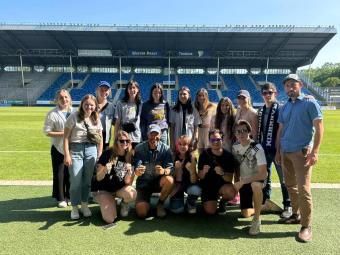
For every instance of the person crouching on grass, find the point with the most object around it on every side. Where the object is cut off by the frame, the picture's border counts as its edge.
(114, 177)
(216, 167)
(186, 179)
(253, 172)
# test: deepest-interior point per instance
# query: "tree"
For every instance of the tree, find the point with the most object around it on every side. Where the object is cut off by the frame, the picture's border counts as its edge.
(331, 82)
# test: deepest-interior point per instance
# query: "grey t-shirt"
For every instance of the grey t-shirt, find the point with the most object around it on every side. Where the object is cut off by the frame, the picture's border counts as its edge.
(126, 112)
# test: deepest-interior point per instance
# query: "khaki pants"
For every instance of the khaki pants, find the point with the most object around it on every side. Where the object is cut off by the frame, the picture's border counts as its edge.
(298, 181)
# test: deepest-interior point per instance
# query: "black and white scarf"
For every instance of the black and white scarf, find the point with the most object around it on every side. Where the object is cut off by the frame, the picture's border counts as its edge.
(270, 128)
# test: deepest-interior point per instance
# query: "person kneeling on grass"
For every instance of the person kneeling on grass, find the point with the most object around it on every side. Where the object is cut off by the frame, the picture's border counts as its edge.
(154, 168)
(185, 177)
(216, 167)
(114, 177)
(253, 172)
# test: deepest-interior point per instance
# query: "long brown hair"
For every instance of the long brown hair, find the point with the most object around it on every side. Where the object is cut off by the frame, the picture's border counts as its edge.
(94, 115)
(203, 109)
(114, 148)
(230, 115)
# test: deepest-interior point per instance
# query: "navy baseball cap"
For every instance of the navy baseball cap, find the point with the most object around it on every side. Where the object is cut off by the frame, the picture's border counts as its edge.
(104, 83)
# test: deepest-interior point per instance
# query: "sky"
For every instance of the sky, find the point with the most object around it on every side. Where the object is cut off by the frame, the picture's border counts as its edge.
(191, 12)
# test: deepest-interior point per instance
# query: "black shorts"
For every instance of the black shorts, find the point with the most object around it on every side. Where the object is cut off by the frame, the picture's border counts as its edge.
(144, 193)
(211, 191)
(246, 196)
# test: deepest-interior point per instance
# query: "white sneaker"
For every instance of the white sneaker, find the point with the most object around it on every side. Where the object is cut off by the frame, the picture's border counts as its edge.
(192, 210)
(85, 210)
(75, 213)
(124, 209)
(255, 227)
(288, 211)
(62, 204)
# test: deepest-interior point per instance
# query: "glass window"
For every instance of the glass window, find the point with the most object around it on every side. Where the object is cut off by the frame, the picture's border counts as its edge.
(17, 68)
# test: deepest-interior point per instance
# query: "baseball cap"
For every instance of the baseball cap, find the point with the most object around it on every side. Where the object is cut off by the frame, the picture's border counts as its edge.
(292, 76)
(104, 83)
(244, 93)
(154, 128)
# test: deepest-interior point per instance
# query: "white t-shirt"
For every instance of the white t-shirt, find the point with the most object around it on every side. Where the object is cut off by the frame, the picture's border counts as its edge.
(255, 157)
(78, 129)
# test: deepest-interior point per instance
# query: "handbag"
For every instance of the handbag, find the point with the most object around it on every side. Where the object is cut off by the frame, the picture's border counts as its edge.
(92, 135)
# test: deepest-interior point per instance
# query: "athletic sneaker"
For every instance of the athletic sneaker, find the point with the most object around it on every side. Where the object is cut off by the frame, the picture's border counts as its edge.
(62, 204)
(85, 210)
(235, 200)
(222, 207)
(124, 209)
(192, 210)
(161, 213)
(255, 227)
(294, 219)
(287, 212)
(75, 213)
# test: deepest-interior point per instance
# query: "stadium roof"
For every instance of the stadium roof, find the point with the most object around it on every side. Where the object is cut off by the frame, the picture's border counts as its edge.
(151, 45)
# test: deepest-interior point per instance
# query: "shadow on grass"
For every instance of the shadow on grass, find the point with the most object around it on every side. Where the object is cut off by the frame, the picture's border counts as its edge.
(228, 226)
(44, 210)
(36, 210)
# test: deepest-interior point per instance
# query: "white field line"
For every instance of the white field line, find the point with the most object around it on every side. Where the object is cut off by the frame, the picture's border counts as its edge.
(49, 183)
(321, 154)
(24, 151)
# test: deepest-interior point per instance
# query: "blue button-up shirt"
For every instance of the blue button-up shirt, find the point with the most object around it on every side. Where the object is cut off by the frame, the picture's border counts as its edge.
(297, 120)
(144, 156)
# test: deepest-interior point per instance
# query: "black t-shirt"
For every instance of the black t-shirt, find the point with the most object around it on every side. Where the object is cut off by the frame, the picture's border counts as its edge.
(226, 161)
(186, 174)
(115, 179)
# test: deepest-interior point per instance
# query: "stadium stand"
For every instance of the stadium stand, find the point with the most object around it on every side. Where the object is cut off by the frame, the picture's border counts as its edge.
(187, 51)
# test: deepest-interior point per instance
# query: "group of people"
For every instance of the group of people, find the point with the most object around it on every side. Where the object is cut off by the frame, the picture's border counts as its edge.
(156, 145)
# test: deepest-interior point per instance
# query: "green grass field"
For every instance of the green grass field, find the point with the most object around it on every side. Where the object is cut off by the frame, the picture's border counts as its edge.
(31, 224)
(24, 153)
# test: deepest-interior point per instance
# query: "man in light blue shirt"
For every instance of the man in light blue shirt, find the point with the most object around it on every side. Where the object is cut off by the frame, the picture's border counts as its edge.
(298, 141)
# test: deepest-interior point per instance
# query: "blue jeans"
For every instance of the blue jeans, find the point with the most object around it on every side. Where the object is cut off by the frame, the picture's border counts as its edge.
(177, 203)
(84, 156)
(270, 156)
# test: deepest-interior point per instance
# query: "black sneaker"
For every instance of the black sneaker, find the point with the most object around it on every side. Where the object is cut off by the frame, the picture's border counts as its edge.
(222, 207)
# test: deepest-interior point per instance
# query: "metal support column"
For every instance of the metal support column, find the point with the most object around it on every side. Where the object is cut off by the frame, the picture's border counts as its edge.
(267, 69)
(71, 71)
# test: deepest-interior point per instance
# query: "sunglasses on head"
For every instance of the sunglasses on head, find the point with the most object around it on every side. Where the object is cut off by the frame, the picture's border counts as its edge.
(124, 141)
(215, 140)
(241, 131)
(264, 93)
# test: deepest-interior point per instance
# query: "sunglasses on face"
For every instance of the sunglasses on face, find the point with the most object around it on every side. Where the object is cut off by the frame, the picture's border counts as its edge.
(264, 93)
(215, 140)
(241, 97)
(124, 141)
(241, 131)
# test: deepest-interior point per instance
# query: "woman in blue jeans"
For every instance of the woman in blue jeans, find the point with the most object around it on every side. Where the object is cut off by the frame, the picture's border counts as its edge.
(81, 154)
(185, 177)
